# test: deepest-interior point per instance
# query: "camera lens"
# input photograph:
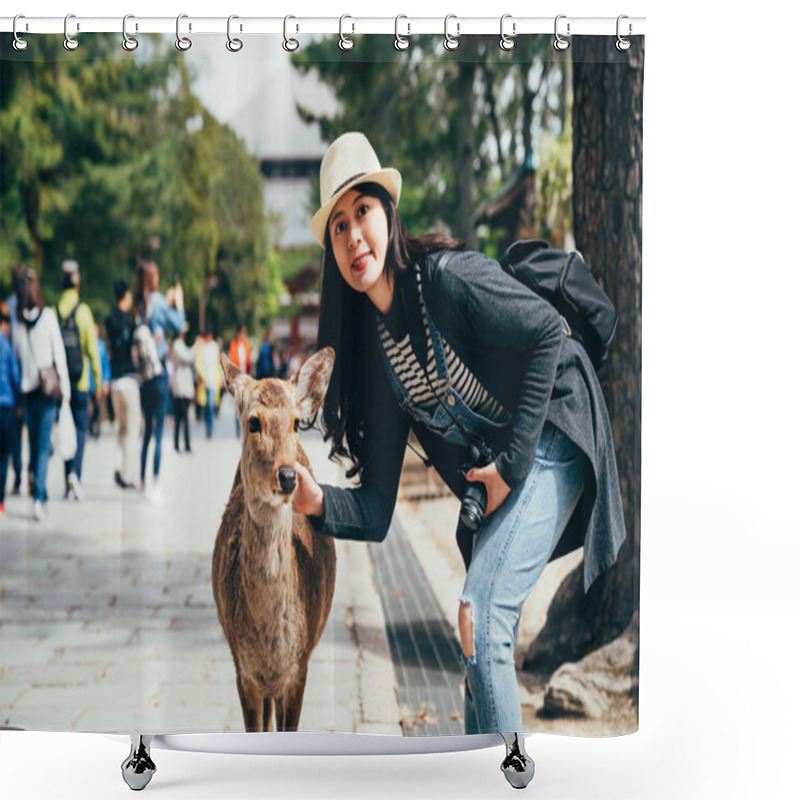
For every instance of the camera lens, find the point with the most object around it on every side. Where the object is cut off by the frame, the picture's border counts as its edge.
(473, 506)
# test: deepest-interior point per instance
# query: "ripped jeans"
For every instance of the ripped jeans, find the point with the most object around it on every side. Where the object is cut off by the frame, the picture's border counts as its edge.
(510, 551)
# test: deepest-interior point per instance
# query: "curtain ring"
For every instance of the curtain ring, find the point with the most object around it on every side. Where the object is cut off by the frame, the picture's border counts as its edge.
(233, 45)
(128, 43)
(289, 45)
(183, 43)
(19, 43)
(451, 42)
(70, 43)
(345, 42)
(622, 43)
(560, 43)
(507, 42)
(400, 42)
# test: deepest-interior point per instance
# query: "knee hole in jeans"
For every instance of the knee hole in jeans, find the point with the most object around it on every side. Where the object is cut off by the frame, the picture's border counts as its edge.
(466, 628)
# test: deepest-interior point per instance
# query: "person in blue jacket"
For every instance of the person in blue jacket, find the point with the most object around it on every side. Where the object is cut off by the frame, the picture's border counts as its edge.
(9, 395)
(162, 314)
(432, 337)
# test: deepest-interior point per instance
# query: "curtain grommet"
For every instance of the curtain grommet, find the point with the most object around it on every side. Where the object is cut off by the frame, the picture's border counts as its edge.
(289, 44)
(128, 42)
(507, 42)
(182, 43)
(451, 42)
(622, 44)
(19, 44)
(560, 43)
(345, 42)
(70, 42)
(401, 42)
(234, 45)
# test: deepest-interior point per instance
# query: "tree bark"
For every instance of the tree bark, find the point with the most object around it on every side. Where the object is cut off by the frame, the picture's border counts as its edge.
(607, 198)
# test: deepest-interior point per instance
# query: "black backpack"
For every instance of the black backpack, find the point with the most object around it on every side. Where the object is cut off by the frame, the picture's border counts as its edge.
(72, 344)
(564, 280)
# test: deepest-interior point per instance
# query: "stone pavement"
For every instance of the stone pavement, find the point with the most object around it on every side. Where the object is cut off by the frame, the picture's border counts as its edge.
(107, 620)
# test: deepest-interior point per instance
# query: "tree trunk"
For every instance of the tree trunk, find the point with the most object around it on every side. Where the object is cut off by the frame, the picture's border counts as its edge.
(465, 150)
(607, 197)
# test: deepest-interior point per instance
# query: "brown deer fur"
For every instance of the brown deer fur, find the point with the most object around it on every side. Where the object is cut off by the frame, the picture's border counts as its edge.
(272, 576)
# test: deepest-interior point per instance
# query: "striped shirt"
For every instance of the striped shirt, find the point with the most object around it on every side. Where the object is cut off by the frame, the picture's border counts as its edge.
(422, 385)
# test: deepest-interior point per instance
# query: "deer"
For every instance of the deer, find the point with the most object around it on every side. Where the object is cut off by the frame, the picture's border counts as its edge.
(273, 576)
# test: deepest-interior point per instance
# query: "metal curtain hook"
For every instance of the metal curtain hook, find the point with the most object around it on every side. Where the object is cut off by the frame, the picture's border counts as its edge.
(507, 42)
(622, 43)
(451, 42)
(233, 45)
(128, 43)
(19, 43)
(183, 43)
(345, 42)
(70, 43)
(400, 42)
(289, 45)
(560, 43)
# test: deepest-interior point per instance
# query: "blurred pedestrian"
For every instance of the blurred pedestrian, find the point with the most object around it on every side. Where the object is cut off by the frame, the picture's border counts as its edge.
(124, 386)
(17, 275)
(44, 378)
(159, 313)
(95, 406)
(265, 364)
(9, 394)
(209, 374)
(183, 380)
(79, 334)
(240, 353)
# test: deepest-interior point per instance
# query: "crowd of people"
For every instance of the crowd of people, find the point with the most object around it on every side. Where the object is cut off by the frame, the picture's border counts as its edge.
(55, 361)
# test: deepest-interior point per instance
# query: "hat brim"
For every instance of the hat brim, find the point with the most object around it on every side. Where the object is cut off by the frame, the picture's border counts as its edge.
(389, 178)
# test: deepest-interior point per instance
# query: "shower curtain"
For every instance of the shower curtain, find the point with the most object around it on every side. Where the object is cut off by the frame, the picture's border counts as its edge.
(172, 190)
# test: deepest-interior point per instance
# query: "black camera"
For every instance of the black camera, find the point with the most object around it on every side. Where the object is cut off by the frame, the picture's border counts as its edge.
(473, 504)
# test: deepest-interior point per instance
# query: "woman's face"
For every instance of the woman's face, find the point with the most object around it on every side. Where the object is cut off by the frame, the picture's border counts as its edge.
(359, 234)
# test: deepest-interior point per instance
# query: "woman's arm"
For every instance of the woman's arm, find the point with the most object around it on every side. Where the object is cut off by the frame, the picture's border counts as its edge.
(365, 513)
(495, 311)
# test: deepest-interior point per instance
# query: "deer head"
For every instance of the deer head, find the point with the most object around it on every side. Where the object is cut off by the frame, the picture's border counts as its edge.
(270, 412)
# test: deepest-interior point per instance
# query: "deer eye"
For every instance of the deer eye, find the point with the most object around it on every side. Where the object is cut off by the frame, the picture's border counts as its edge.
(296, 425)
(254, 425)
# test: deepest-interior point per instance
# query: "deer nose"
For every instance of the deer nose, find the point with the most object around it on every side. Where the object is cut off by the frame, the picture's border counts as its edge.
(287, 477)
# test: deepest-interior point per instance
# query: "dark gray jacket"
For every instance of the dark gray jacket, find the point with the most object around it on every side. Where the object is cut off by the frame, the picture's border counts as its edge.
(513, 343)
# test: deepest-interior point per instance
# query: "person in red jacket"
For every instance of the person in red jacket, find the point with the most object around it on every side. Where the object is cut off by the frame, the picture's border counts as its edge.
(239, 353)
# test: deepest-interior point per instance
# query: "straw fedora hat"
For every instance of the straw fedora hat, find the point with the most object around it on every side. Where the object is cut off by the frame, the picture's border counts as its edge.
(350, 160)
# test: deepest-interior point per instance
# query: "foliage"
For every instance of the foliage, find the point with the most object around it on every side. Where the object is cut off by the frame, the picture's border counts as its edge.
(101, 151)
(407, 104)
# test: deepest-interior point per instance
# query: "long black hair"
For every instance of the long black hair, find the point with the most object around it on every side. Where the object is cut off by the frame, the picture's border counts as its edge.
(346, 323)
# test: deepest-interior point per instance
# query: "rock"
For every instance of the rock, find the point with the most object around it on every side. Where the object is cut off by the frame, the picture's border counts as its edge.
(599, 685)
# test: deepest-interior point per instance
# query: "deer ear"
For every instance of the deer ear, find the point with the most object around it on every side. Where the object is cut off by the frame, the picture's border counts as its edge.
(235, 380)
(311, 383)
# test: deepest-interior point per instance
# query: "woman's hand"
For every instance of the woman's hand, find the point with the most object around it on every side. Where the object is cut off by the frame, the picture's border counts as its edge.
(308, 498)
(496, 488)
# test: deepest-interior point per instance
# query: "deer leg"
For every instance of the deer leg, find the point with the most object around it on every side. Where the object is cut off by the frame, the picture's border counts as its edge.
(293, 701)
(251, 699)
(267, 714)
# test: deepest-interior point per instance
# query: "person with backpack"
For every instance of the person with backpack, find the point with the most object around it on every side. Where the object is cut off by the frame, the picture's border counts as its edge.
(9, 396)
(80, 345)
(507, 406)
(44, 378)
(124, 386)
(155, 315)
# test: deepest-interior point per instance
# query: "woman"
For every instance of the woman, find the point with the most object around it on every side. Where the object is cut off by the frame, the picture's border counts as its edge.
(9, 396)
(40, 350)
(183, 358)
(497, 394)
(160, 314)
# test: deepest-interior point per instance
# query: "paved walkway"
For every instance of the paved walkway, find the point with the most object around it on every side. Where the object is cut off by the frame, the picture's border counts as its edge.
(107, 620)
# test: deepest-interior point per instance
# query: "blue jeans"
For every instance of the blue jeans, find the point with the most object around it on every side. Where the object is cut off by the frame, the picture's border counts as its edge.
(40, 414)
(510, 551)
(79, 403)
(211, 397)
(154, 408)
